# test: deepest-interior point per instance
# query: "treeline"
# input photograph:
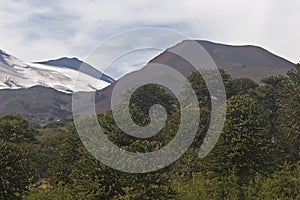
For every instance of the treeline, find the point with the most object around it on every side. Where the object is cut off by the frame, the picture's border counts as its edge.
(256, 157)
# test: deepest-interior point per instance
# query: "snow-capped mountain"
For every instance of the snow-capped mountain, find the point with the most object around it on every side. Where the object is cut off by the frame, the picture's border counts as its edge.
(16, 74)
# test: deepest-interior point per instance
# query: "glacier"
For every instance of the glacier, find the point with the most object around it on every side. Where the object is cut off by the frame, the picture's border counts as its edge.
(16, 74)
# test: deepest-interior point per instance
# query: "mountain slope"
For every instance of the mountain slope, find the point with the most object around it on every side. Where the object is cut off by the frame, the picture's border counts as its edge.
(75, 63)
(16, 74)
(239, 61)
(36, 104)
(40, 103)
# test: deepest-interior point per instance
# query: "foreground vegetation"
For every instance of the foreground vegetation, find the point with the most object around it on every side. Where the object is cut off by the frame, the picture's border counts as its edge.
(256, 157)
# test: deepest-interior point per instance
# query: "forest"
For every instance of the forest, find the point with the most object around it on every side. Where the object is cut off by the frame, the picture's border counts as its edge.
(257, 155)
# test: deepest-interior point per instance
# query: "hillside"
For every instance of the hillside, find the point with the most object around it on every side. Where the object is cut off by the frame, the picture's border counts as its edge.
(36, 104)
(239, 61)
(40, 103)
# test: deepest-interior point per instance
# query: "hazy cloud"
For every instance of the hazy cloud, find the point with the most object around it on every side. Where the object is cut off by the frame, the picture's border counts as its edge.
(41, 30)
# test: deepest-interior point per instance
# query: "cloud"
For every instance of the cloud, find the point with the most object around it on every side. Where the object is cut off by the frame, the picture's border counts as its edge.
(40, 30)
(130, 62)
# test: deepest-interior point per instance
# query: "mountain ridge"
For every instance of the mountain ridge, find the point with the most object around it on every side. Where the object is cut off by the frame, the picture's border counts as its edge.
(75, 63)
(241, 61)
(245, 61)
(228, 57)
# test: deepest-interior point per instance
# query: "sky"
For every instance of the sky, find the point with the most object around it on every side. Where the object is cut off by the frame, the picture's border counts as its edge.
(36, 30)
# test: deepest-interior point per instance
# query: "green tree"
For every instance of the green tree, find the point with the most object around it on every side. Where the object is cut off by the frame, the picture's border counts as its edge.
(93, 180)
(15, 129)
(283, 183)
(270, 95)
(65, 148)
(289, 116)
(244, 148)
(16, 170)
(17, 153)
(199, 86)
(241, 86)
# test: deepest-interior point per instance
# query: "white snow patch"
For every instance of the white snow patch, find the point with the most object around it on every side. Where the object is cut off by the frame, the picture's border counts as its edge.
(15, 74)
